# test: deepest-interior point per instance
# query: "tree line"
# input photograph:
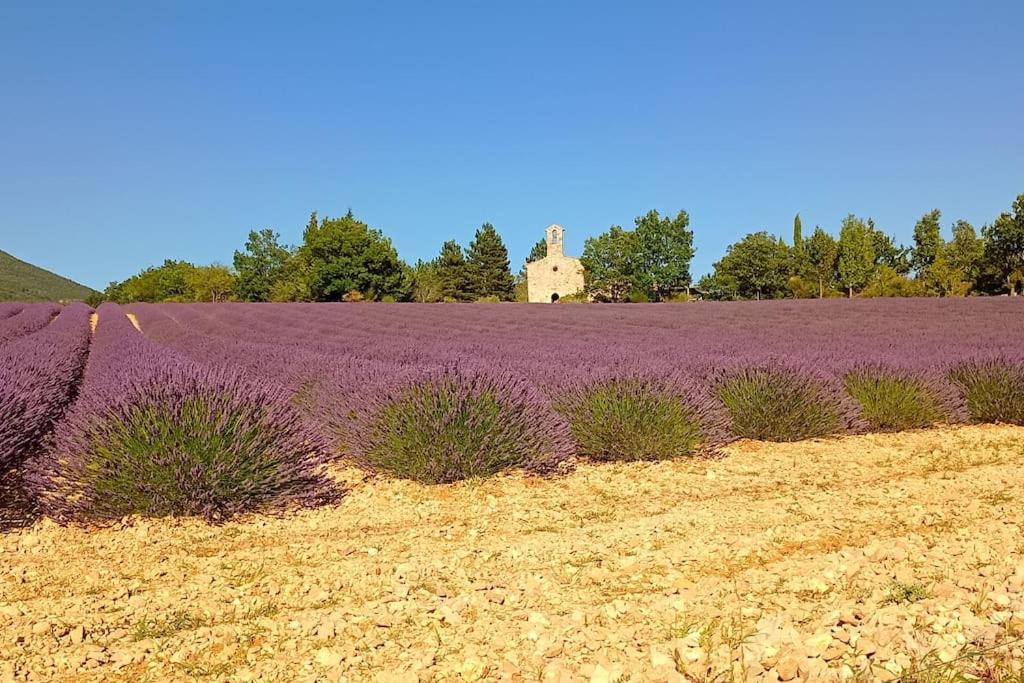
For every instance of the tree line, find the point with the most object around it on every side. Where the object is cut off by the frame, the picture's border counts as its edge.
(339, 259)
(344, 259)
(865, 261)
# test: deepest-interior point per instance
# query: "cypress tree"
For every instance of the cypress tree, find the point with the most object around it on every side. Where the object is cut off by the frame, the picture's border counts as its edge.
(487, 265)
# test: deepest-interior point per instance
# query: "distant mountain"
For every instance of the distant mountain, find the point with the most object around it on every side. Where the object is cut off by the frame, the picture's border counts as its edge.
(20, 281)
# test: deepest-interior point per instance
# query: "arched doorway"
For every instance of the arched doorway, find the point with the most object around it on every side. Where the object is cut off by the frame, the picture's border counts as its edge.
(554, 297)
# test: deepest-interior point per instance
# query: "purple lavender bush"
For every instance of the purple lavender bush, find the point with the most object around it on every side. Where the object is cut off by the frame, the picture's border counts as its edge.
(893, 399)
(782, 401)
(155, 435)
(445, 425)
(637, 415)
(992, 389)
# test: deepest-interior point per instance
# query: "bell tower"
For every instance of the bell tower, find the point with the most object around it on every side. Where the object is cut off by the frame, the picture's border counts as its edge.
(556, 234)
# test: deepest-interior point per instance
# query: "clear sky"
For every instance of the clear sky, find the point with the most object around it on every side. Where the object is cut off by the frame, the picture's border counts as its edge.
(136, 131)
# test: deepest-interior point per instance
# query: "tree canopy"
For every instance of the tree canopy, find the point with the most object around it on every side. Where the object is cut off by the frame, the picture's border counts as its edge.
(927, 241)
(664, 250)
(651, 261)
(1004, 247)
(260, 266)
(823, 254)
(856, 254)
(346, 256)
(609, 264)
(756, 267)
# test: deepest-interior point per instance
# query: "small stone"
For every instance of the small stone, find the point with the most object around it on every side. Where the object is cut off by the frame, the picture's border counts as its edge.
(866, 646)
(473, 669)
(77, 634)
(41, 628)
(788, 668)
(325, 629)
(817, 644)
(327, 658)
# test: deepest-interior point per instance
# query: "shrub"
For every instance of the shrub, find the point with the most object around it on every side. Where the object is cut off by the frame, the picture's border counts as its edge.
(450, 425)
(778, 403)
(575, 298)
(993, 389)
(630, 419)
(181, 441)
(892, 400)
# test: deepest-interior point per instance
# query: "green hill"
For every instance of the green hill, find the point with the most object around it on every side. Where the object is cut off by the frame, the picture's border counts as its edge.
(20, 281)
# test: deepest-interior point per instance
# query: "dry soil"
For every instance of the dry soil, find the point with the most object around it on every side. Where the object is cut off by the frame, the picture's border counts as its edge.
(856, 558)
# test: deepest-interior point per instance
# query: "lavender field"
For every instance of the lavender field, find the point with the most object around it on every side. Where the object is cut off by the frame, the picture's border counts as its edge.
(609, 546)
(215, 409)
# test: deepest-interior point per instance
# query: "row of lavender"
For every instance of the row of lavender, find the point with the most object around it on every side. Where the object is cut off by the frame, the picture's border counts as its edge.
(17, 320)
(42, 356)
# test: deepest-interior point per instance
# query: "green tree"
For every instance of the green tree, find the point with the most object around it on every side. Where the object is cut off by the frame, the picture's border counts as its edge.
(174, 281)
(856, 254)
(801, 267)
(943, 278)
(450, 267)
(887, 252)
(1004, 247)
(966, 251)
(801, 271)
(345, 256)
(927, 242)
(172, 277)
(260, 265)
(756, 267)
(487, 265)
(166, 282)
(823, 253)
(664, 250)
(210, 283)
(426, 283)
(538, 251)
(609, 264)
(293, 282)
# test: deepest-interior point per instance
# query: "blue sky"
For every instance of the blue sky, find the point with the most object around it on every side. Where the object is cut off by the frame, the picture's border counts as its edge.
(132, 132)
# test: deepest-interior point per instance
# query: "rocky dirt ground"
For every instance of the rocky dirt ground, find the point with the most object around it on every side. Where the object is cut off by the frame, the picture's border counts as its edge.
(860, 558)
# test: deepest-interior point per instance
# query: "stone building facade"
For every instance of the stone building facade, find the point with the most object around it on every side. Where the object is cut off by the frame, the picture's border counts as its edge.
(555, 276)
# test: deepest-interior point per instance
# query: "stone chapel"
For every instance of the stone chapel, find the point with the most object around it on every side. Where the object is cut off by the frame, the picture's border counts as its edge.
(556, 275)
